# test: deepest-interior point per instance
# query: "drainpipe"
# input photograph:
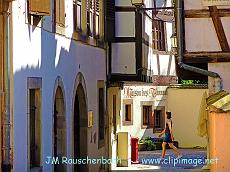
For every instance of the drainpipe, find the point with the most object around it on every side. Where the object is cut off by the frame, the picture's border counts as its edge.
(214, 87)
(6, 116)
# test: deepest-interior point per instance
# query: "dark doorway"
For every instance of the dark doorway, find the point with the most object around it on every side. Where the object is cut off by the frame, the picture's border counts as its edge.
(80, 129)
(59, 130)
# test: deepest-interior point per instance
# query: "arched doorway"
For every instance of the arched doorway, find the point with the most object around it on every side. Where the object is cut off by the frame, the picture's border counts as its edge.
(59, 129)
(80, 123)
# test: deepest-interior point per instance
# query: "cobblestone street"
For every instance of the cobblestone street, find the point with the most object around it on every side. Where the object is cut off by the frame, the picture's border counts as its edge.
(192, 155)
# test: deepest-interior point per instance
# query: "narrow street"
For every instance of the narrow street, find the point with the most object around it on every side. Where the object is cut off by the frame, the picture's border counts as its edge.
(147, 163)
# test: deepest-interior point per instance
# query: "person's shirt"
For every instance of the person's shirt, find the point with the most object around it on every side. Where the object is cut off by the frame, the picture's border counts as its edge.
(168, 125)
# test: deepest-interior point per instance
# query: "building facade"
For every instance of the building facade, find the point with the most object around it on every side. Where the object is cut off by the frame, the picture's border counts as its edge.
(205, 31)
(141, 67)
(59, 84)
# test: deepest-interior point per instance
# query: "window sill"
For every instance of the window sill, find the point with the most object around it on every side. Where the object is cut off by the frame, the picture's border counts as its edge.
(60, 29)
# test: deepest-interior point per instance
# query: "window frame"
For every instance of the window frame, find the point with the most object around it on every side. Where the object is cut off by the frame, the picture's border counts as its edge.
(158, 35)
(150, 104)
(162, 119)
(149, 110)
(77, 25)
(124, 121)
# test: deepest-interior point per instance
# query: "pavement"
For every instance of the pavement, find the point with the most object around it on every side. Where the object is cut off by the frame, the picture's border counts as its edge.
(192, 160)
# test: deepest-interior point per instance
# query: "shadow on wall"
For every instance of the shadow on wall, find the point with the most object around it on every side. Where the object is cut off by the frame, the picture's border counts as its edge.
(55, 61)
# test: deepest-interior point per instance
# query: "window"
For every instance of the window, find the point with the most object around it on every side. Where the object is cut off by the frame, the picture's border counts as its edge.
(158, 119)
(97, 18)
(90, 17)
(77, 15)
(158, 32)
(34, 128)
(128, 112)
(93, 17)
(147, 116)
(59, 12)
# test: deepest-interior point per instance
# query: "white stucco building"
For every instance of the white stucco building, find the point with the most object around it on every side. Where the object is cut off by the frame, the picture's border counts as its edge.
(59, 74)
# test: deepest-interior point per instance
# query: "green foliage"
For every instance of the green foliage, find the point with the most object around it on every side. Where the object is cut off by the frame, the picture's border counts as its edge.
(190, 82)
(149, 144)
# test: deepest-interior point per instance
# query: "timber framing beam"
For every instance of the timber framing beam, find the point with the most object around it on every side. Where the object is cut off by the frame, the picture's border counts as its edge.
(219, 28)
(205, 13)
(204, 57)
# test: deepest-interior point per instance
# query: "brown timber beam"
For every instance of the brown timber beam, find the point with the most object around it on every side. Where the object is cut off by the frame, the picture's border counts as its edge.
(204, 57)
(203, 13)
(219, 28)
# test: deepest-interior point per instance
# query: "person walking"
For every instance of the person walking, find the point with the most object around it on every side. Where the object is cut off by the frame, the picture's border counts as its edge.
(168, 138)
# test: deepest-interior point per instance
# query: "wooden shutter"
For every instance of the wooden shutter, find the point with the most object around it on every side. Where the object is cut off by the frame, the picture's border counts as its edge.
(110, 20)
(57, 11)
(39, 7)
(62, 12)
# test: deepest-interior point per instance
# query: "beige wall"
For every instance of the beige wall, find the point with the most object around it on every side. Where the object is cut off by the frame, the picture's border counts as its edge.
(223, 70)
(219, 141)
(112, 136)
(184, 105)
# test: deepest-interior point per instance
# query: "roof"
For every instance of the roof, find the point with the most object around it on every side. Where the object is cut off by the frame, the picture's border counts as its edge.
(219, 102)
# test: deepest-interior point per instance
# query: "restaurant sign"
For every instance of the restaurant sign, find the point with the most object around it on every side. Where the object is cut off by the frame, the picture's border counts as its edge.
(216, 2)
(131, 92)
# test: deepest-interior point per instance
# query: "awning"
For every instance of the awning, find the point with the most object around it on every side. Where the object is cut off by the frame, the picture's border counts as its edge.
(219, 102)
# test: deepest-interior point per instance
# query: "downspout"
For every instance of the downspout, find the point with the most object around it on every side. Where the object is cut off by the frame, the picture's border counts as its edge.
(217, 84)
(180, 38)
(6, 116)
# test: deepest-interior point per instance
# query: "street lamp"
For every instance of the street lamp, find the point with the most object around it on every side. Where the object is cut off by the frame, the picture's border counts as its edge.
(173, 40)
(137, 3)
